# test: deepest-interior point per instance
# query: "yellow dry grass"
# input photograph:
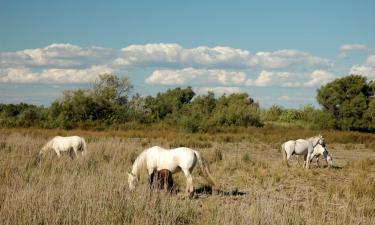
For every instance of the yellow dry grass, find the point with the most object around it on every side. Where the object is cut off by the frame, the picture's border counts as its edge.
(253, 185)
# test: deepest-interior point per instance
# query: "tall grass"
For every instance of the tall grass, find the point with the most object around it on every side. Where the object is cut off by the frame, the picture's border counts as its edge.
(253, 186)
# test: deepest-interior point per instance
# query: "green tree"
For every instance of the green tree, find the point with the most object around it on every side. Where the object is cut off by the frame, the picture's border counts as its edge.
(103, 103)
(112, 88)
(236, 110)
(169, 102)
(347, 100)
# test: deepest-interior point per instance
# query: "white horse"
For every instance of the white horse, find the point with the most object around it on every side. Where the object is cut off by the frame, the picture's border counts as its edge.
(320, 150)
(301, 147)
(62, 144)
(174, 160)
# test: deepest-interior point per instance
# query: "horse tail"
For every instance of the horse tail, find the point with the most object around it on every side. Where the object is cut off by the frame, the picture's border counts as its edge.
(84, 147)
(283, 151)
(204, 168)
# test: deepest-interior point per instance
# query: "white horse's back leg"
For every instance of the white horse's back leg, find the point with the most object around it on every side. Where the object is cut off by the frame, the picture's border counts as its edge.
(75, 152)
(304, 161)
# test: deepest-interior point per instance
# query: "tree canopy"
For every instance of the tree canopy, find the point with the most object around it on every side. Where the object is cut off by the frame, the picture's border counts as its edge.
(349, 101)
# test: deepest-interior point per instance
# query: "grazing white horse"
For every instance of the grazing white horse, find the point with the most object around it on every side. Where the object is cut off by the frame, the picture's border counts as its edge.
(303, 147)
(63, 144)
(174, 160)
(320, 150)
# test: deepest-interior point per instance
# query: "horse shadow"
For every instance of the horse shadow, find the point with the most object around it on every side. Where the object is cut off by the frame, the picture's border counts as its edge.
(206, 189)
(336, 167)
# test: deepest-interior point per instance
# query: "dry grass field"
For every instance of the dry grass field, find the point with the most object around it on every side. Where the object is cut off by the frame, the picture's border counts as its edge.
(253, 186)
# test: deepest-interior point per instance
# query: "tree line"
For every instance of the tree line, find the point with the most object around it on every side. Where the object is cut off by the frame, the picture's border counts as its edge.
(347, 103)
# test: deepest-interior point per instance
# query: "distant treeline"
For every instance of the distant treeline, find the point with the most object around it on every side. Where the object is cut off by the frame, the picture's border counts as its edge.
(347, 103)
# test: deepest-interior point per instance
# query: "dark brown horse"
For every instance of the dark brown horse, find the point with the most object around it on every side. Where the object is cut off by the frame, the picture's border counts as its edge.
(162, 179)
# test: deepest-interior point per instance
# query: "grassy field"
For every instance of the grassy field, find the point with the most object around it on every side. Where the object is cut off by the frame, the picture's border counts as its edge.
(253, 186)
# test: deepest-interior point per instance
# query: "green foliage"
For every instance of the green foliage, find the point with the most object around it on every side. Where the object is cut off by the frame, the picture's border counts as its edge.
(348, 103)
(290, 115)
(347, 100)
(271, 114)
(169, 102)
(21, 115)
(322, 120)
(236, 110)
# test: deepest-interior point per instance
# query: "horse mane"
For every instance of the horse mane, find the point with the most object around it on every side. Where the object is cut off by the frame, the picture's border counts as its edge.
(314, 140)
(139, 162)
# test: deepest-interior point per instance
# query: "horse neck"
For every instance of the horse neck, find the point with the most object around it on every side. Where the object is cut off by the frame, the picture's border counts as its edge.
(138, 163)
(314, 140)
(48, 145)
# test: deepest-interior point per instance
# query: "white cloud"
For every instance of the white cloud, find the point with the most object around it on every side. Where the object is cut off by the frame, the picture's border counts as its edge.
(353, 47)
(367, 69)
(216, 57)
(287, 79)
(218, 90)
(269, 78)
(284, 98)
(196, 76)
(370, 60)
(364, 70)
(318, 78)
(149, 54)
(174, 54)
(287, 57)
(55, 56)
(26, 75)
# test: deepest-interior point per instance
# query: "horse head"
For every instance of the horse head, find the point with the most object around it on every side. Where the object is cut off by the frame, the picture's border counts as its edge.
(132, 180)
(329, 161)
(321, 140)
(43, 150)
(327, 157)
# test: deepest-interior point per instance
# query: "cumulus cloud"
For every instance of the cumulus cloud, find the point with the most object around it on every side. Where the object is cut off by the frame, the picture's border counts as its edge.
(287, 79)
(207, 65)
(26, 75)
(196, 76)
(364, 70)
(319, 77)
(174, 54)
(353, 47)
(218, 90)
(270, 78)
(222, 57)
(367, 69)
(55, 56)
(287, 57)
(370, 60)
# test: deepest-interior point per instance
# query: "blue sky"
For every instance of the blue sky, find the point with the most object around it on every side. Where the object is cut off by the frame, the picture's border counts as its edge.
(279, 52)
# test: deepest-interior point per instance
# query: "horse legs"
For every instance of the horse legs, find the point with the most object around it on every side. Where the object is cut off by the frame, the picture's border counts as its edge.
(308, 160)
(75, 152)
(189, 182)
(304, 161)
(317, 161)
(58, 153)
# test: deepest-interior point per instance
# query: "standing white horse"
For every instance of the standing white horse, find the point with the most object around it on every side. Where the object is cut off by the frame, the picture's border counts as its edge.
(301, 147)
(62, 144)
(174, 160)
